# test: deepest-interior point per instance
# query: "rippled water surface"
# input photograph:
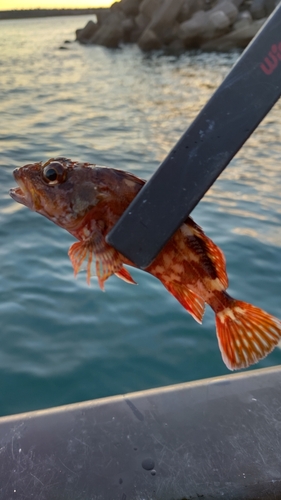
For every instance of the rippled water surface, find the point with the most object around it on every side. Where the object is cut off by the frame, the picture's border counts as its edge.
(62, 341)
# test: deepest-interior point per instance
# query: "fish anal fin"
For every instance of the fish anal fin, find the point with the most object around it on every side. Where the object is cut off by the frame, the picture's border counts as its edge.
(246, 334)
(194, 304)
(124, 275)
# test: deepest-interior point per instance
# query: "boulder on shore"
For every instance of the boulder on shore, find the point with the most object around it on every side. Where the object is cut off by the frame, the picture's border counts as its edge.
(85, 34)
(111, 32)
(177, 25)
(238, 38)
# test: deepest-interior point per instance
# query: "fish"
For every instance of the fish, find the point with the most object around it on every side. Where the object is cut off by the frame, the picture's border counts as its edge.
(87, 200)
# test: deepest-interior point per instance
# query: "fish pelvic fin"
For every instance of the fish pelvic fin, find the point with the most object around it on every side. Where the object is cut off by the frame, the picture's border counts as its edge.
(101, 261)
(246, 334)
(124, 275)
(194, 304)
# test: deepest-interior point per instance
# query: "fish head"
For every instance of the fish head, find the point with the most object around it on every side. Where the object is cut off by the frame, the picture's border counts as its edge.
(60, 189)
(72, 193)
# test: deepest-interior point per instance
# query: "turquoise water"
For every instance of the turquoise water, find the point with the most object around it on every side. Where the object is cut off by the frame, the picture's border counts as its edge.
(61, 341)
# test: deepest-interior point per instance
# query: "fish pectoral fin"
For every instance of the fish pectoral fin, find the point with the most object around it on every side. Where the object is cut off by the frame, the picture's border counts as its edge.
(246, 334)
(97, 257)
(108, 262)
(124, 275)
(77, 253)
(194, 304)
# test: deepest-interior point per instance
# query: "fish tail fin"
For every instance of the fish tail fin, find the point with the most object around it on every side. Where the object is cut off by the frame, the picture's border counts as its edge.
(246, 334)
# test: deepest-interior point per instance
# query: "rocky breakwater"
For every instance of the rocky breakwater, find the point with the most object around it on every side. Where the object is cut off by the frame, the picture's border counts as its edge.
(178, 25)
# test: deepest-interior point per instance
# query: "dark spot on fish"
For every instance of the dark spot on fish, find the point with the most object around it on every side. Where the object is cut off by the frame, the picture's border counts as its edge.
(199, 246)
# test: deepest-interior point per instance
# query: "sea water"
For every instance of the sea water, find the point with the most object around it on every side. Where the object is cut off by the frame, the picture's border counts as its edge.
(60, 340)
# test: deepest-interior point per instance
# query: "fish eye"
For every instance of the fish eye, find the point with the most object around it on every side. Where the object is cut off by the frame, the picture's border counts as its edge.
(54, 173)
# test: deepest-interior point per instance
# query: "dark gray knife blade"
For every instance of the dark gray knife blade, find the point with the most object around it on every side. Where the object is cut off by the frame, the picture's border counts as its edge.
(231, 115)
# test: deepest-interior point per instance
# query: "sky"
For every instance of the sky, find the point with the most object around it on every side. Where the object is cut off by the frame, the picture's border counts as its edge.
(53, 4)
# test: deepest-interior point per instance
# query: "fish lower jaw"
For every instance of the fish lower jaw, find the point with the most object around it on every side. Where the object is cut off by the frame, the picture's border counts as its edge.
(18, 195)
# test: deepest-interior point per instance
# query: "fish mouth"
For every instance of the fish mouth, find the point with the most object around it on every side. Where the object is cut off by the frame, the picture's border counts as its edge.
(21, 193)
(17, 194)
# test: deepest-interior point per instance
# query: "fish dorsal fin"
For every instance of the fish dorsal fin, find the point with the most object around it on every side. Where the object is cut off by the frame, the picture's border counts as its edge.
(194, 304)
(212, 252)
(124, 275)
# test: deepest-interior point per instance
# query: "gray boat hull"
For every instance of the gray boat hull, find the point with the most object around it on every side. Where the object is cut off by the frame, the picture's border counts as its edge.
(210, 439)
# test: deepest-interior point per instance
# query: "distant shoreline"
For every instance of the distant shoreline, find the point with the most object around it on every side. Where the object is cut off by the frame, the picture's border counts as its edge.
(35, 13)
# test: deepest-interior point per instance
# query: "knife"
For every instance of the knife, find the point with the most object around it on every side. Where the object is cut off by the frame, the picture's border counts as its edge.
(227, 120)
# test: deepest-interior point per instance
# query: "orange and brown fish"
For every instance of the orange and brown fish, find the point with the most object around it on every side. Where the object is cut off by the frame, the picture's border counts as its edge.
(87, 200)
